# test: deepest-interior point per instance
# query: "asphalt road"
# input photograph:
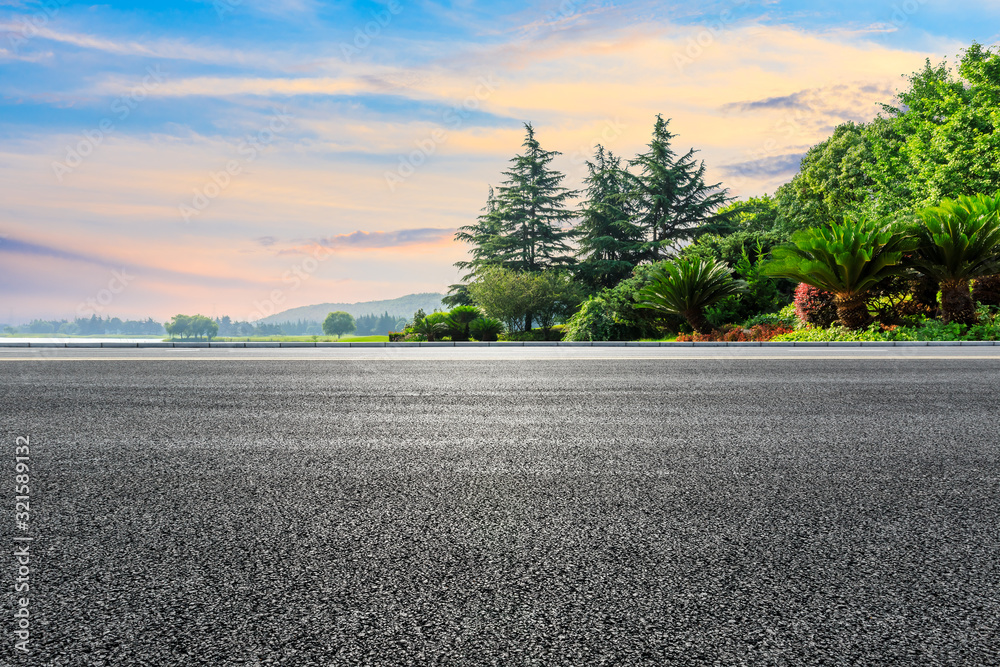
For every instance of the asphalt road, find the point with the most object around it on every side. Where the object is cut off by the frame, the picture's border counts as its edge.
(734, 510)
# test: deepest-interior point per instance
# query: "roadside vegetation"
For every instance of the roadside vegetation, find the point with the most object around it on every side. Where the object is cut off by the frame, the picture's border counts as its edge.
(890, 231)
(304, 339)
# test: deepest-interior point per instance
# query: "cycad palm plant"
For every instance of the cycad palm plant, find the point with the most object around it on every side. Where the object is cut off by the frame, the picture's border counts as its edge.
(485, 328)
(847, 259)
(459, 319)
(686, 287)
(960, 241)
(430, 329)
(986, 290)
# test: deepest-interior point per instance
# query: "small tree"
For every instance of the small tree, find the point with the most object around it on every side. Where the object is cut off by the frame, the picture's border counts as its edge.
(459, 319)
(178, 327)
(205, 326)
(431, 328)
(338, 323)
(485, 329)
(554, 296)
(503, 294)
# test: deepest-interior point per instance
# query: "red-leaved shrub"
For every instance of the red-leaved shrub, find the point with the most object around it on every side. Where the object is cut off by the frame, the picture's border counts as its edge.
(814, 306)
(760, 333)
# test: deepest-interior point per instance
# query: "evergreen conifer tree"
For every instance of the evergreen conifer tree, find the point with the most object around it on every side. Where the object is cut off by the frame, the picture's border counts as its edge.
(485, 238)
(610, 244)
(524, 224)
(671, 194)
(533, 212)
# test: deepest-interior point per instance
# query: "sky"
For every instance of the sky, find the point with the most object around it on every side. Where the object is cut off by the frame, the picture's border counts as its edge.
(242, 157)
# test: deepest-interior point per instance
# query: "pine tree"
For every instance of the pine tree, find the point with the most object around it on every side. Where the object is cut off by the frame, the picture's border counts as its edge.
(485, 238)
(523, 226)
(610, 244)
(532, 210)
(671, 194)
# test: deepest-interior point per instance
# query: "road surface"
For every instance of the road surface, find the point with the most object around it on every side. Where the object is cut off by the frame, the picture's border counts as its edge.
(506, 507)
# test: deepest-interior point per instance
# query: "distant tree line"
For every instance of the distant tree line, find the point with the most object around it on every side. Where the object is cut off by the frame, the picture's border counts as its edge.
(367, 325)
(198, 326)
(192, 326)
(92, 326)
(235, 329)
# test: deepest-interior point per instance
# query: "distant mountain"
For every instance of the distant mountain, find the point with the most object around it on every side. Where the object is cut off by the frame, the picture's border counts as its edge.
(404, 306)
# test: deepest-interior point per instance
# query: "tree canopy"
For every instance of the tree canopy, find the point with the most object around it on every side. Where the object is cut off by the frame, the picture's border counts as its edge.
(610, 243)
(939, 139)
(339, 323)
(671, 195)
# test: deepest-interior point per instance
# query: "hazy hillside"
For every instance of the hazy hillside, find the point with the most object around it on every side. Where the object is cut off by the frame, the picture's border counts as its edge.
(404, 306)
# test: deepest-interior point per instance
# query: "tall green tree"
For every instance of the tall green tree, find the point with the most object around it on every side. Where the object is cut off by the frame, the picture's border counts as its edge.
(524, 226)
(832, 181)
(942, 140)
(485, 237)
(532, 210)
(670, 192)
(609, 243)
(939, 139)
(486, 240)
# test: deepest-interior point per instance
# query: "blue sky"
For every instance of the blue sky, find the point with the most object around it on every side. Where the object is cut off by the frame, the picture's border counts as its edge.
(167, 139)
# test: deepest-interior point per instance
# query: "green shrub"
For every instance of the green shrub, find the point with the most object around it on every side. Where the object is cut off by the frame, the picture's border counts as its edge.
(686, 287)
(834, 334)
(761, 293)
(785, 317)
(556, 333)
(408, 337)
(927, 330)
(433, 327)
(458, 320)
(594, 321)
(522, 336)
(485, 329)
(615, 315)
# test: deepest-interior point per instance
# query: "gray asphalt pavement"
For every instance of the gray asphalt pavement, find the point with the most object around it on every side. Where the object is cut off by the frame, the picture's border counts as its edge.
(820, 509)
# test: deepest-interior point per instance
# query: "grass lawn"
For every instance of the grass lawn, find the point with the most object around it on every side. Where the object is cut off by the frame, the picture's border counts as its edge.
(302, 339)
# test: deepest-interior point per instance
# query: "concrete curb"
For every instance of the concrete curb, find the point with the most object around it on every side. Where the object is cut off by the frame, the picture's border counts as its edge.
(205, 344)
